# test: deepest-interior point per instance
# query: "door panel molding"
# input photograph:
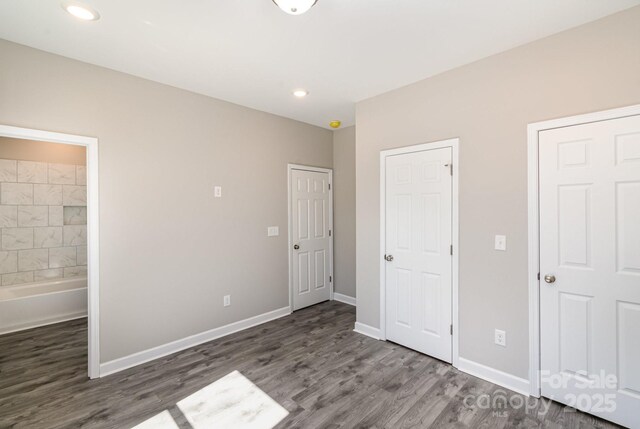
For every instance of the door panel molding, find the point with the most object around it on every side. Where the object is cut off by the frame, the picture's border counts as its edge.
(290, 233)
(454, 145)
(576, 158)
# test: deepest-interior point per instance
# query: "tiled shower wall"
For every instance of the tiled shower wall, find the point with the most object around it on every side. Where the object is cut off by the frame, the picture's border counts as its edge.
(43, 220)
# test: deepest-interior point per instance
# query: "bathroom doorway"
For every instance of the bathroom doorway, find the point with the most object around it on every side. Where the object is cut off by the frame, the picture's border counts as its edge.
(49, 233)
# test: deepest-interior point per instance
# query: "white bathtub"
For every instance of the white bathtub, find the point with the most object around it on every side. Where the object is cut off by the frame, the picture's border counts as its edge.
(30, 305)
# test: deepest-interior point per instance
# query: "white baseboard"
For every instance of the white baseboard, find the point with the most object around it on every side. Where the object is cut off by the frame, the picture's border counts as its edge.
(138, 358)
(344, 298)
(367, 330)
(495, 376)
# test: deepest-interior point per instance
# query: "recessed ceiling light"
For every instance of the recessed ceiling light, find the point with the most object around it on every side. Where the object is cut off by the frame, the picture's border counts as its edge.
(295, 7)
(300, 93)
(82, 12)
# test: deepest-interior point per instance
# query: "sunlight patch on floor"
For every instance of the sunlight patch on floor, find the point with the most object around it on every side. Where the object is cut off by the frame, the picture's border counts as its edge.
(230, 402)
(159, 421)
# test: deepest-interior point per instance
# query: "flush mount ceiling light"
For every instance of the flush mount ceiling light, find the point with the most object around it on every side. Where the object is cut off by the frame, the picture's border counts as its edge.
(295, 7)
(80, 11)
(300, 93)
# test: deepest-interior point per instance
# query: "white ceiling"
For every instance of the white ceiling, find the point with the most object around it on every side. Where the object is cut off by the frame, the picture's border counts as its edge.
(250, 53)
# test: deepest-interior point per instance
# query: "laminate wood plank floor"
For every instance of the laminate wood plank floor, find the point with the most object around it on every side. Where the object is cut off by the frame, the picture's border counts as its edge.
(311, 363)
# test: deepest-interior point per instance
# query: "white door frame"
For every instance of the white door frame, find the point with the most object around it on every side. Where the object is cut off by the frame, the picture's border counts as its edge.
(93, 248)
(329, 171)
(454, 145)
(533, 131)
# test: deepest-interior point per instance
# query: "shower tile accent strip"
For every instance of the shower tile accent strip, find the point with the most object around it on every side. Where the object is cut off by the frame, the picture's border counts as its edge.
(43, 221)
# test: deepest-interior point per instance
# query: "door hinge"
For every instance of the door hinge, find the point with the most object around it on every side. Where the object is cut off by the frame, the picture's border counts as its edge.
(329, 186)
(450, 165)
(451, 329)
(329, 233)
(451, 249)
(538, 276)
(330, 279)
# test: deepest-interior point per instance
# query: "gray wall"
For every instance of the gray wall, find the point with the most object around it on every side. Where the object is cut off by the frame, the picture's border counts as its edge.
(344, 210)
(169, 251)
(488, 104)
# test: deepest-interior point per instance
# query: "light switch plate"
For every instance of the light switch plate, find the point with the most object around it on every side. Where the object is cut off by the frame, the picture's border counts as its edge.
(217, 192)
(273, 231)
(227, 300)
(501, 242)
(501, 338)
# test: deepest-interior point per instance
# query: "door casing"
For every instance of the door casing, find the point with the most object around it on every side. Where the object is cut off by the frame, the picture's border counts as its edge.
(533, 131)
(93, 228)
(454, 145)
(329, 171)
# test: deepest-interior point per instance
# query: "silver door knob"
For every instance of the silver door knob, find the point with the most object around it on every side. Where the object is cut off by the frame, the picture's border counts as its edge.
(550, 278)
(296, 246)
(388, 258)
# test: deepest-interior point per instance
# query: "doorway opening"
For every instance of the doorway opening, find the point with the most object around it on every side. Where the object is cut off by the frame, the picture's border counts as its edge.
(49, 220)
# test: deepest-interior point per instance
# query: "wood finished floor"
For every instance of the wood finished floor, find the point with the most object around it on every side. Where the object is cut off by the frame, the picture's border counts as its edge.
(311, 363)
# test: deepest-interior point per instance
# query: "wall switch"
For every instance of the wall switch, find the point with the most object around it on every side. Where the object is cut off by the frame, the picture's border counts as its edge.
(217, 192)
(501, 338)
(227, 300)
(501, 242)
(273, 231)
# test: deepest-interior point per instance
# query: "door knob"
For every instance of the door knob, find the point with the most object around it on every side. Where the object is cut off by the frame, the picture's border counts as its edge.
(388, 258)
(296, 246)
(550, 278)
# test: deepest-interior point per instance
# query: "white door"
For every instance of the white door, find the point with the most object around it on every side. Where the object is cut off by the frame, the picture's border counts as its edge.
(418, 220)
(590, 267)
(311, 237)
